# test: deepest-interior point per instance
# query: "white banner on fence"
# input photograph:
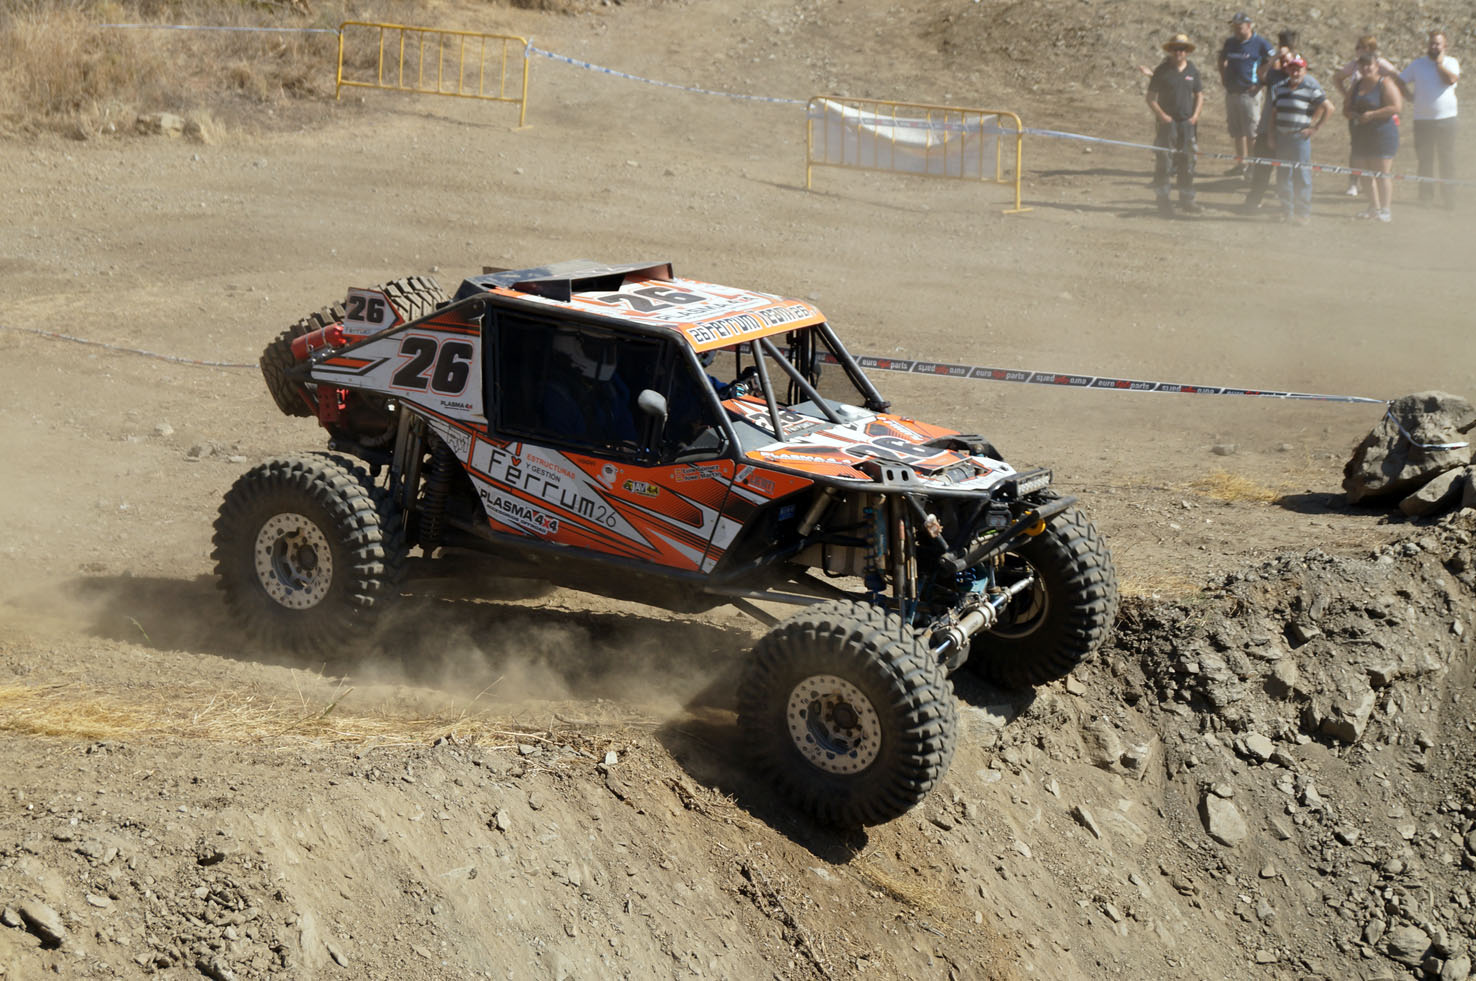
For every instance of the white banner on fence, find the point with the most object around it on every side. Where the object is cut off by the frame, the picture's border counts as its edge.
(943, 145)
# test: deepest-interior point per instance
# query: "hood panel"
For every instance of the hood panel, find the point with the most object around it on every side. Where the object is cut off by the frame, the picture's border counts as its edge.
(817, 446)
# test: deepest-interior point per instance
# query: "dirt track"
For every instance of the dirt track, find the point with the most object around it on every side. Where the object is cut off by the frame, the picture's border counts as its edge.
(358, 837)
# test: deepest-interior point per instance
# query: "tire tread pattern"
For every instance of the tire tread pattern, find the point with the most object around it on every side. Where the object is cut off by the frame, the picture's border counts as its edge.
(1083, 608)
(912, 694)
(357, 519)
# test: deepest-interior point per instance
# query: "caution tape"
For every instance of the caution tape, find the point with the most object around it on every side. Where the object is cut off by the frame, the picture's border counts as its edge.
(531, 50)
(907, 366)
(200, 27)
(1263, 161)
(1070, 380)
(1424, 446)
(125, 350)
(601, 69)
(1033, 131)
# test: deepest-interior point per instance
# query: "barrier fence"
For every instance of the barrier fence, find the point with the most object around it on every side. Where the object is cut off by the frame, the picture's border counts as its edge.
(429, 61)
(913, 138)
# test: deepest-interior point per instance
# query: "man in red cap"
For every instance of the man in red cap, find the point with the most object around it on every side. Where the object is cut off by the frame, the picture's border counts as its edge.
(1299, 107)
(1175, 96)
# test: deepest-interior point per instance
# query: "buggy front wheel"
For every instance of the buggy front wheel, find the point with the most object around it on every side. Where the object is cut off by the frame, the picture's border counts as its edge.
(845, 711)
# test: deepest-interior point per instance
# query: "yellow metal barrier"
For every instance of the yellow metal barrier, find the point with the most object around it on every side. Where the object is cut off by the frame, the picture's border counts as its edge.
(913, 138)
(436, 62)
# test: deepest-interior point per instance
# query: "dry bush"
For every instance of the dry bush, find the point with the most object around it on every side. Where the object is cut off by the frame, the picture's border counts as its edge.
(61, 70)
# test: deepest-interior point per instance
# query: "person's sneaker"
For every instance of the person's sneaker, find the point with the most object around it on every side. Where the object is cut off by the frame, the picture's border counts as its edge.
(1191, 207)
(1352, 191)
(1367, 213)
(1165, 207)
(1384, 215)
(1236, 170)
(1303, 220)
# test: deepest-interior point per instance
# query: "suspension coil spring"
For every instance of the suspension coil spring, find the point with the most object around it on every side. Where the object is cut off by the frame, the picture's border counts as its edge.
(437, 489)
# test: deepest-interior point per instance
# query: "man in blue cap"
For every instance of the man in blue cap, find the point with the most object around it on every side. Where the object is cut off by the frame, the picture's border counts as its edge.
(1241, 57)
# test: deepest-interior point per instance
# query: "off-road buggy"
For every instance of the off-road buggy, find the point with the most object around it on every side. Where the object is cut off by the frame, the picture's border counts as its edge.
(622, 431)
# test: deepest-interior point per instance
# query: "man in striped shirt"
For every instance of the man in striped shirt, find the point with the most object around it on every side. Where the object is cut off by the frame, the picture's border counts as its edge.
(1299, 107)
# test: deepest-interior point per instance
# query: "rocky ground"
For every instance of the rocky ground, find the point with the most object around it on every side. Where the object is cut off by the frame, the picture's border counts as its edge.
(1268, 774)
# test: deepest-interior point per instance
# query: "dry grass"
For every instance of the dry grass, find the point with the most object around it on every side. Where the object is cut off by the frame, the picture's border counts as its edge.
(61, 71)
(1221, 485)
(71, 711)
(1164, 585)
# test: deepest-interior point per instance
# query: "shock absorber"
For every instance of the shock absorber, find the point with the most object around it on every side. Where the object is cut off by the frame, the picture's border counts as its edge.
(437, 488)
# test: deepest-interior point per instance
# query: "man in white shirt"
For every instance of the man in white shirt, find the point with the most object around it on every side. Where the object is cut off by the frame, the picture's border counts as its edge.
(1430, 81)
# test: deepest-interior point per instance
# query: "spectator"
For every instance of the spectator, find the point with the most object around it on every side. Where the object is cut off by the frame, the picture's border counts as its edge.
(1433, 80)
(1372, 109)
(1345, 78)
(1271, 73)
(1298, 110)
(1175, 96)
(1241, 57)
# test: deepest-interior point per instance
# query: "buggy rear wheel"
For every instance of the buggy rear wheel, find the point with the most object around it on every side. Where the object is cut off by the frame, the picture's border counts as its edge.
(413, 296)
(845, 711)
(305, 553)
(1059, 620)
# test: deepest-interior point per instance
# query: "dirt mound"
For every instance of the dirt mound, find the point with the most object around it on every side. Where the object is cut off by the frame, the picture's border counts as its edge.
(1279, 773)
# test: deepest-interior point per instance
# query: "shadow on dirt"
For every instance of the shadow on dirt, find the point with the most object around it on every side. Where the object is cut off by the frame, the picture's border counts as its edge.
(1313, 503)
(708, 747)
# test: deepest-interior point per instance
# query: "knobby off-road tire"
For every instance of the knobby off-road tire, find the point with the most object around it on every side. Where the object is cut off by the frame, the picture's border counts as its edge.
(844, 710)
(413, 296)
(1059, 621)
(277, 359)
(307, 553)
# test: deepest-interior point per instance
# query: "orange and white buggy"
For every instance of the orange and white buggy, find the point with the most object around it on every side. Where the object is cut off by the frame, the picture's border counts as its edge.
(618, 430)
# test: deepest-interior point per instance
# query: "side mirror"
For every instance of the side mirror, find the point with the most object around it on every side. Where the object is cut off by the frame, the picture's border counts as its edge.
(653, 404)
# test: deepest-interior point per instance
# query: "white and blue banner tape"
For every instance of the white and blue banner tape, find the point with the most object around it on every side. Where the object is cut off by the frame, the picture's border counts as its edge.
(1070, 380)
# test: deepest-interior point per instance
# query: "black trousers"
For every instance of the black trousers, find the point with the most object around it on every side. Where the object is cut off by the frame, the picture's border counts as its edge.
(1260, 173)
(1180, 137)
(1434, 141)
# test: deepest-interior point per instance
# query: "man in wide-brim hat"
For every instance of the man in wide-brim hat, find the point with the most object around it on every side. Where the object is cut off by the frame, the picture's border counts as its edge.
(1175, 96)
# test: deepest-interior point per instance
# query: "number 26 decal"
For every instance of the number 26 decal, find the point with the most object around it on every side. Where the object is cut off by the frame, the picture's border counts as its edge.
(368, 309)
(444, 367)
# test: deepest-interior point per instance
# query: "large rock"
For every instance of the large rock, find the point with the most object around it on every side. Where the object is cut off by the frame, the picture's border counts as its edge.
(1222, 820)
(1407, 945)
(1391, 463)
(1339, 704)
(44, 922)
(1443, 492)
(159, 124)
